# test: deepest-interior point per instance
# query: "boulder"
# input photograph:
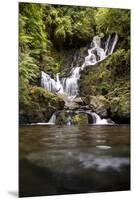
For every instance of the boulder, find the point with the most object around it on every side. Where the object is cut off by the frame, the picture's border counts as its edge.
(71, 105)
(120, 108)
(41, 106)
(98, 104)
(79, 101)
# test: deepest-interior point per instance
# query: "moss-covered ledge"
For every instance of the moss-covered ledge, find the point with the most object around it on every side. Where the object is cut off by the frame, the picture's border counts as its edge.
(40, 106)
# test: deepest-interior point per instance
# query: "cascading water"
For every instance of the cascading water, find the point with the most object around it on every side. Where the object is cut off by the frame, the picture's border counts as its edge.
(107, 44)
(97, 119)
(114, 43)
(52, 119)
(69, 120)
(58, 84)
(47, 82)
(69, 85)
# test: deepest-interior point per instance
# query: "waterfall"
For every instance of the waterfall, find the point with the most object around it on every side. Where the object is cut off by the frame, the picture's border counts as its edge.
(95, 55)
(107, 44)
(114, 43)
(52, 119)
(69, 120)
(50, 84)
(97, 46)
(47, 82)
(69, 85)
(97, 119)
(58, 84)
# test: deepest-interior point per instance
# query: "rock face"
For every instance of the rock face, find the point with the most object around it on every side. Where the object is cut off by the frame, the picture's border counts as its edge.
(74, 58)
(106, 87)
(120, 109)
(41, 107)
(116, 108)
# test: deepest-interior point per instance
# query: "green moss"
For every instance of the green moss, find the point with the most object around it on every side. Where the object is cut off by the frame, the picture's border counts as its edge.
(80, 119)
(109, 75)
(61, 118)
(111, 80)
(40, 107)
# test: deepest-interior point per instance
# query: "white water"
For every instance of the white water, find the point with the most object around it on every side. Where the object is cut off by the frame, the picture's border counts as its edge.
(52, 119)
(95, 55)
(69, 85)
(47, 82)
(50, 84)
(96, 118)
(114, 43)
(69, 120)
(58, 84)
(107, 44)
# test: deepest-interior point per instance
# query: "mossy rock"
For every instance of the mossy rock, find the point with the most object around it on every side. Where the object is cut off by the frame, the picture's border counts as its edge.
(61, 118)
(64, 117)
(98, 104)
(80, 118)
(120, 108)
(109, 83)
(40, 107)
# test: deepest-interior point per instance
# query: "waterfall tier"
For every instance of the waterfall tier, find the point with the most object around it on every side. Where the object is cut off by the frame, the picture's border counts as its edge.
(69, 117)
(69, 85)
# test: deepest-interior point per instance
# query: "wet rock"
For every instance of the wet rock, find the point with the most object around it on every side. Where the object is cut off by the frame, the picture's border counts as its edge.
(98, 104)
(79, 101)
(86, 107)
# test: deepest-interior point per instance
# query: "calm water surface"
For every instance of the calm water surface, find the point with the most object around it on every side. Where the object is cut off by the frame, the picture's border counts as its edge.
(74, 159)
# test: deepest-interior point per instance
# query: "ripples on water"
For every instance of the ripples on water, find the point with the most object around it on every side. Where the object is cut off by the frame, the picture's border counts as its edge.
(73, 159)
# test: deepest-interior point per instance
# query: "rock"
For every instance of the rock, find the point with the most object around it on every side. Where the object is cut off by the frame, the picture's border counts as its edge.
(79, 101)
(86, 107)
(41, 106)
(80, 118)
(99, 104)
(120, 108)
(71, 105)
(110, 79)
(73, 116)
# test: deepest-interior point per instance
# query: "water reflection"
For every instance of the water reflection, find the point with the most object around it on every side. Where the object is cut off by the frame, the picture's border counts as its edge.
(73, 159)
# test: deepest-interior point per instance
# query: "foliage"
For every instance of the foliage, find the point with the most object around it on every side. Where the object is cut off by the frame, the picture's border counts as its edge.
(27, 72)
(67, 24)
(47, 33)
(32, 32)
(112, 20)
(42, 105)
(110, 74)
(32, 43)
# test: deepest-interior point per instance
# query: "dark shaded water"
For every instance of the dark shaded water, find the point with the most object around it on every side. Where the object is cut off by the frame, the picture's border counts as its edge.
(74, 159)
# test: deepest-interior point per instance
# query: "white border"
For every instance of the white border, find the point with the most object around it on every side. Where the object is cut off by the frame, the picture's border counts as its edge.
(9, 97)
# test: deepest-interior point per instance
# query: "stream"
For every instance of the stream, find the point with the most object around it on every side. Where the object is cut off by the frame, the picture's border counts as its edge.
(73, 159)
